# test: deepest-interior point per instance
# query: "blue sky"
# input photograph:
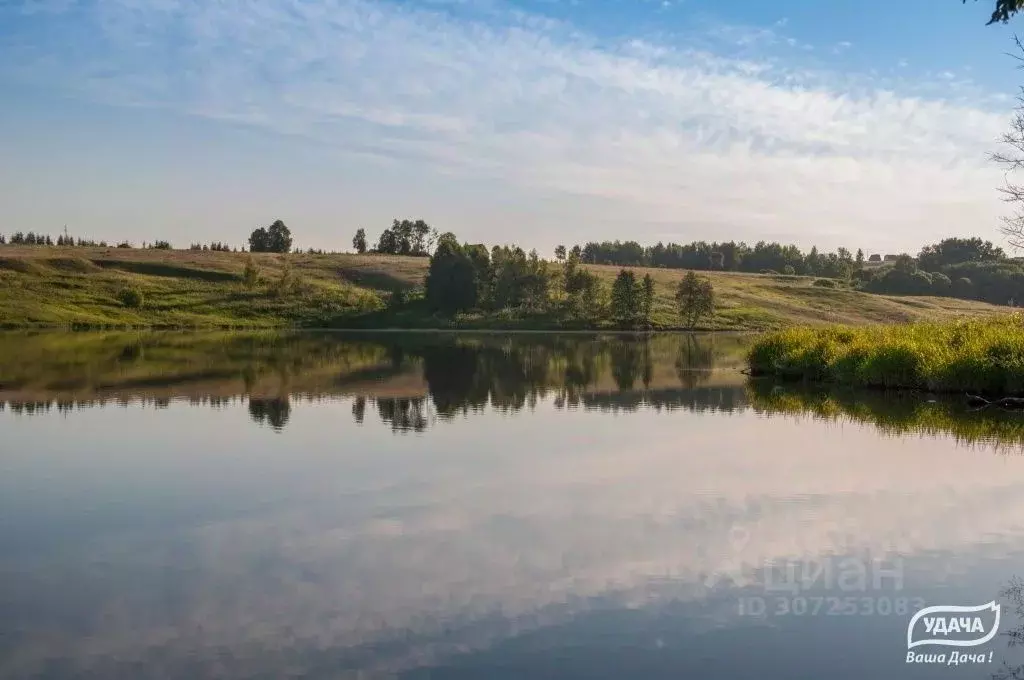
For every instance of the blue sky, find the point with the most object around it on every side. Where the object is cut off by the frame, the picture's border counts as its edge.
(864, 124)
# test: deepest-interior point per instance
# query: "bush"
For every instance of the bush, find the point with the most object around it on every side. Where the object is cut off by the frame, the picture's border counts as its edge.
(826, 283)
(251, 273)
(130, 297)
(789, 270)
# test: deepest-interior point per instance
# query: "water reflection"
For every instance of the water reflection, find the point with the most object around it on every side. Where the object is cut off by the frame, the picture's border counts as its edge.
(541, 515)
(410, 378)
(414, 380)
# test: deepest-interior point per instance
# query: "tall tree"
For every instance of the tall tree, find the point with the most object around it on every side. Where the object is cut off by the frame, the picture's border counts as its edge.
(259, 241)
(451, 284)
(647, 298)
(560, 253)
(279, 238)
(695, 298)
(359, 241)
(626, 296)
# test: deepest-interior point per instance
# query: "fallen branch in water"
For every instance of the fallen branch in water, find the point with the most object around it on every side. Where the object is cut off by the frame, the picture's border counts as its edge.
(1010, 403)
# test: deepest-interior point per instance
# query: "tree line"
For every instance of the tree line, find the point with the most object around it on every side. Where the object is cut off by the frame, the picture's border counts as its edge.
(762, 257)
(464, 277)
(970, 269)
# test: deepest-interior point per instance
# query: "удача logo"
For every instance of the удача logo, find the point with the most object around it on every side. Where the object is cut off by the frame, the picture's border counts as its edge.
(953, 626)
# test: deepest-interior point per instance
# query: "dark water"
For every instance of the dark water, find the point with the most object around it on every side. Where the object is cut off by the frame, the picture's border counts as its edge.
(530, 506)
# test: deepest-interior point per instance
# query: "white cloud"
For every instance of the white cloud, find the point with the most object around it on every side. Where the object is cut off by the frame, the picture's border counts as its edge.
(653, 133)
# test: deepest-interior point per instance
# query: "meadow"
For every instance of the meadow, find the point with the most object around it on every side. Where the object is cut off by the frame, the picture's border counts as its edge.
(85, 287)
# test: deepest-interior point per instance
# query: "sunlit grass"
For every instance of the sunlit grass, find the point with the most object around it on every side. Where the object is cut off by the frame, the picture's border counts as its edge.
(53, 286)
(968, 355)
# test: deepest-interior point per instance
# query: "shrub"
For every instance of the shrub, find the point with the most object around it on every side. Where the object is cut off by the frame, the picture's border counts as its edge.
(130, 297)
(288, 283)
(789, 270)
(826, 283)
(251, 273)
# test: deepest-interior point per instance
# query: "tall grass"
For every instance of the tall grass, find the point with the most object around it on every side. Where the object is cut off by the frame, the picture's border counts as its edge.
(976, 355)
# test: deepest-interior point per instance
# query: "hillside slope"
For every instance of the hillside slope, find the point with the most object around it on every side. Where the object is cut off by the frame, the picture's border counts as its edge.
(52, 286)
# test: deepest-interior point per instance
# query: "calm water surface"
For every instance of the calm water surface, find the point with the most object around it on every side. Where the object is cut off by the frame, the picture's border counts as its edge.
(530, 506)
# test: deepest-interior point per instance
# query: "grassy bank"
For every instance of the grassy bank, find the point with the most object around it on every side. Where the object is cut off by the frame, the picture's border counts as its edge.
(52, 286)
(978, 356)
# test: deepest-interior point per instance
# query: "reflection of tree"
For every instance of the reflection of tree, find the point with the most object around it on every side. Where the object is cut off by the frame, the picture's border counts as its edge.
(359, 409)
(699, 400)
(627, 359)
(404, 414)
(274, 411)
(451, 372)
(695, 360)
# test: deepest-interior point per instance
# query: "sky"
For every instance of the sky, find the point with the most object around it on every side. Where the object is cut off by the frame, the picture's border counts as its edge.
(856, 123)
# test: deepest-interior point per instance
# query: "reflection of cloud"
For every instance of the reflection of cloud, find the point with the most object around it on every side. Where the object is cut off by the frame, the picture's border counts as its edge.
(460, 537)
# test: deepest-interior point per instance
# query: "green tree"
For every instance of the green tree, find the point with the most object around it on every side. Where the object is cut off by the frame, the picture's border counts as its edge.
(276, 238)
(860, 258)
(957, 250)
(560, 253)
(359, 241)
(695, 298)
(905, 263)
(451, 284)
(626, 297)
(279, 238)
(582, 288)
(647, 298)
(406, 237)
(258, 241)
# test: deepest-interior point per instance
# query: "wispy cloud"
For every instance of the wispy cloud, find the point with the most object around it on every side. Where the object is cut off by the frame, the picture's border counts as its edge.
(735, 147)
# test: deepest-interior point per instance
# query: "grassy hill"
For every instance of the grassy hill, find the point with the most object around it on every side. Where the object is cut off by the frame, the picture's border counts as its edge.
(53, 286)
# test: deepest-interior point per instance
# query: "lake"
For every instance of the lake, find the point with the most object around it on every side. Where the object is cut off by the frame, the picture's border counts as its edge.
(431, 505)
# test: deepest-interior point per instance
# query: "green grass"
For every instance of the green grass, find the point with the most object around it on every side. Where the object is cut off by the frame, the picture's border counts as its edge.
(84, 287)
(977, 355)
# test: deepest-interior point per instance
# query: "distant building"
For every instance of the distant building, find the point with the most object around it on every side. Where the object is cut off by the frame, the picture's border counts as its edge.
(875, 258)
(891, 258)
